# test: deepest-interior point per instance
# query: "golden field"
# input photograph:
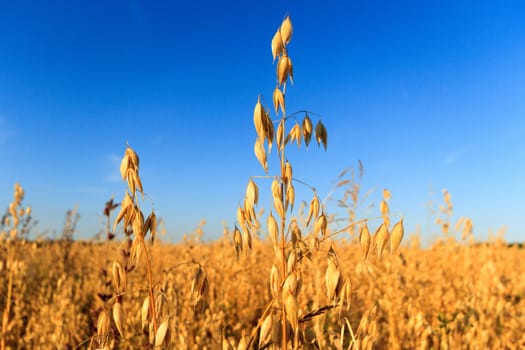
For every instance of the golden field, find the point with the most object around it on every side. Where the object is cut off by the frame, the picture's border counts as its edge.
(450, 296)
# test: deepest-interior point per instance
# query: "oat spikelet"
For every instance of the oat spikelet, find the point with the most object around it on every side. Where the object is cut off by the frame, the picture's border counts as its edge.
(161, 333)
(297, 235)
(278, 100)
(199, 285)
(247, 239)
(137, 249)
(286, 30)
(321, 224)
(237, 239)
(292, 311)
(288, 173)
(151, 224)
(321, 134)
(138, 223)
(313, 211)
(277, 45)
(280, 135)
(124, 165)
(260, 153)
(279, 206)
(144, 313)
(258, 115)
(118, 317)
(365, 240)
(241, 216)
(277, 194)
(119, 277)
(273, 230)
(295, 134)
(265, 333)
(396, 237)
(125, 207)
(290, 197)
(249, 211)
(137, 183)
(252, 192)
(291, 284)
(133, 158)
(332, 277)
(131, 182)
(103, 324)
(276, 188)
(291, 262)
(381, 238)
(268, 130)
(307, 129)
(284, 69)
(275, 280)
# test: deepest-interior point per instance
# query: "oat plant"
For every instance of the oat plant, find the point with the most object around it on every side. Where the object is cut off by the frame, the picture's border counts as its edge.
(133, 251)
(14, 228)
(282, 324)
(156, 311)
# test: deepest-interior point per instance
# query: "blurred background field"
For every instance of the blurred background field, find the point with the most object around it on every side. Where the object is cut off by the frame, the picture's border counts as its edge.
(448, 296)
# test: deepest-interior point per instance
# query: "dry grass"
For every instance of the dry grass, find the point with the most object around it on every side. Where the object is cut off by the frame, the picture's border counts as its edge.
(449, 296)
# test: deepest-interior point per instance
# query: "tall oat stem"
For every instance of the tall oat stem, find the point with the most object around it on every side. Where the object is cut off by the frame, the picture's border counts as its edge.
(150, 289)
(283, 240)
(283, 275)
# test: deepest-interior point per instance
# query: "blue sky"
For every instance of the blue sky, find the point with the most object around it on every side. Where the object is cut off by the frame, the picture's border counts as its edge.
(429, 95)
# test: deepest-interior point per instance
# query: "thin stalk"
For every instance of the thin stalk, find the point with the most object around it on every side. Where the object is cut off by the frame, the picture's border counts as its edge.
(301, 112)
(283, 252)
(283, 278)
(150, 289)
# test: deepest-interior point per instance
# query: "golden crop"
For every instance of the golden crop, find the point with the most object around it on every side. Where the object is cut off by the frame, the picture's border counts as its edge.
(449, 296)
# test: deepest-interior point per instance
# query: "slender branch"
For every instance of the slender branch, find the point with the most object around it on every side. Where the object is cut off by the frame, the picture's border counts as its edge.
(303, 111)
(263, 177)
(290, 116)
(305, 184)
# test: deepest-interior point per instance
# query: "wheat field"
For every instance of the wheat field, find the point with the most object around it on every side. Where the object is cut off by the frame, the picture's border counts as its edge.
(280, 278)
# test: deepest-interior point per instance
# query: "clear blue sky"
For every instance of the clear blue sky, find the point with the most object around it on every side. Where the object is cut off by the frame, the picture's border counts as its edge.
(429, 95)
